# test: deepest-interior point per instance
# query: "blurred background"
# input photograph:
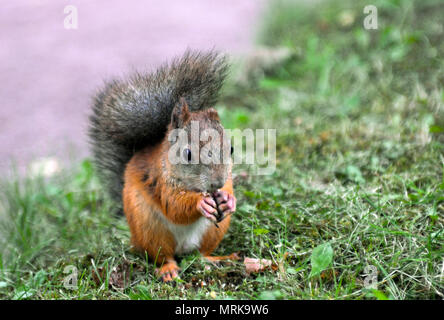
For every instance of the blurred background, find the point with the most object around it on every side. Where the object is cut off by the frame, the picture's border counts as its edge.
(359, 113)
(48, 73)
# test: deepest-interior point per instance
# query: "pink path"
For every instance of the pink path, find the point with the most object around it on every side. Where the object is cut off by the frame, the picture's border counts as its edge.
(48, 73)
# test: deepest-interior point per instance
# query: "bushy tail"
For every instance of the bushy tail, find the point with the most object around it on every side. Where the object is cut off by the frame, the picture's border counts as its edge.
(129, 115)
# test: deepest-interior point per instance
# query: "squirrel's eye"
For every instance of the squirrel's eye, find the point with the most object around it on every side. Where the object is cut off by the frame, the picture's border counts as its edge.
(232, 149)
(187, 154)
(210, 153)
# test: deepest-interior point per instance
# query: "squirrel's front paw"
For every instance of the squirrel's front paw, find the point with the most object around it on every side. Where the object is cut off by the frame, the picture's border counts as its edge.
(207, 206)
(225, 201)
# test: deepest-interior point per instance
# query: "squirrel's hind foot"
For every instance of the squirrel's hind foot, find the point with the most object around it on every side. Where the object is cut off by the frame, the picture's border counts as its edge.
(168, 271)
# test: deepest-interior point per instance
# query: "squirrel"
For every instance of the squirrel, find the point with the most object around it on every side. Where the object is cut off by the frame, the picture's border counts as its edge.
(171, 207)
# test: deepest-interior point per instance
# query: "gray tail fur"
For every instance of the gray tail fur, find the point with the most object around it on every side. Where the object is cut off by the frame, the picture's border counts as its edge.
(129, 115)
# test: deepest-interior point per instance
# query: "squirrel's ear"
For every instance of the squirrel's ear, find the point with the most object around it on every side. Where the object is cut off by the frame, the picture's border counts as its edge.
(181, 114)
(212, 114)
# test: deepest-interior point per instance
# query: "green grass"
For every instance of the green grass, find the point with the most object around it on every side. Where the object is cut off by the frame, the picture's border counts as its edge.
(360, 177)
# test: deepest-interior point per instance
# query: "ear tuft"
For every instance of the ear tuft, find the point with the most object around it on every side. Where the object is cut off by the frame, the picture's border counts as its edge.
(212, 114)
(180, 114)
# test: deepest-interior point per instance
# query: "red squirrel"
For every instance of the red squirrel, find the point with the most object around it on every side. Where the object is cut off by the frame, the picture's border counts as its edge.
(172, 207)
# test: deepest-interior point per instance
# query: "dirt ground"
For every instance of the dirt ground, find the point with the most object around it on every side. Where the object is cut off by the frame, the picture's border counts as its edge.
(48, 73)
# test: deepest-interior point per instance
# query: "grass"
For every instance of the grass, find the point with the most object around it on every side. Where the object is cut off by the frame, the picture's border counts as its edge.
(358, 188)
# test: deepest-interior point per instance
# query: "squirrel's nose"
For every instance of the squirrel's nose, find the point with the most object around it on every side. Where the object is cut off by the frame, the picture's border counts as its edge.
(216, 185)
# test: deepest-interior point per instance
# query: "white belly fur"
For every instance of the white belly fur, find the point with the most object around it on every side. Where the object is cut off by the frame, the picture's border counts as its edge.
(188, 237)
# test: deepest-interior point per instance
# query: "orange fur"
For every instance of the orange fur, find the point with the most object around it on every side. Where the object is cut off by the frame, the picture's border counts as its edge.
(146, 194)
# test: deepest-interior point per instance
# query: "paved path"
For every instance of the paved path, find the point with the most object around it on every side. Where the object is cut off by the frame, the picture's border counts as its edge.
(48, 73)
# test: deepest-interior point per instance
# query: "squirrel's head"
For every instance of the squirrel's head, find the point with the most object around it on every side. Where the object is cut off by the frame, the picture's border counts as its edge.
(199, 152)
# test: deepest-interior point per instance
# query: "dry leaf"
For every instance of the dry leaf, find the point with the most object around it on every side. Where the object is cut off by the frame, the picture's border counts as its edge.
(253, 265)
